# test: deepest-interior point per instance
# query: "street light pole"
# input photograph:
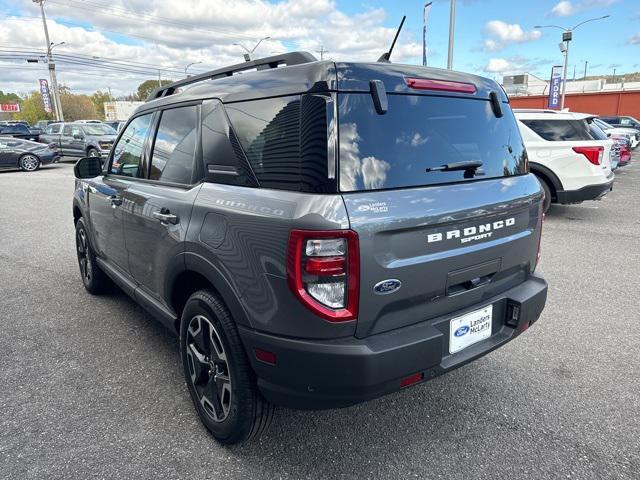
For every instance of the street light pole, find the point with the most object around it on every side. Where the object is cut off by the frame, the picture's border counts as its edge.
(566, 38)
(566, 62)
(248, 57)
(452, 23)
(190, 65)
(57, 106)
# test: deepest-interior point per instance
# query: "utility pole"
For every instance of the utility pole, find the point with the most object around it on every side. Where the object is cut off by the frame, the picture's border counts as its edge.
(585, 69)
(322, 51)
(57, 106)
(613, 80)
(452, 22)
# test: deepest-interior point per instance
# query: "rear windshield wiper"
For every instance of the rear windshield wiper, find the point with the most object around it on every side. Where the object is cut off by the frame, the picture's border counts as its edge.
(470, 165)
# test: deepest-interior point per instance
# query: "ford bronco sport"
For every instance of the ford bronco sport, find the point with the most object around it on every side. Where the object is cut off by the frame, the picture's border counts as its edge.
(317, 233)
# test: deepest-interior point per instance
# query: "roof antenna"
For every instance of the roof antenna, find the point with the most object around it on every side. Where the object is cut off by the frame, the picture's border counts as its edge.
(384, 58)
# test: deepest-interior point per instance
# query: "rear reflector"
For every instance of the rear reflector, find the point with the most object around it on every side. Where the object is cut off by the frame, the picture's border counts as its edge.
(411, 380)
(443, 85)
(593, 154)
(325, 266)
(265, 356)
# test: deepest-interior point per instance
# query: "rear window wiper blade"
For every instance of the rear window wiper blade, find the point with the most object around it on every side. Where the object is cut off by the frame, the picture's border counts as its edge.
(456, 166)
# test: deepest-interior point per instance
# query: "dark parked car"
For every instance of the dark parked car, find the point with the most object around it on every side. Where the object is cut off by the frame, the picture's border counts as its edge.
(18, 130)
(25, 154)
(315, 241)
(624, 121)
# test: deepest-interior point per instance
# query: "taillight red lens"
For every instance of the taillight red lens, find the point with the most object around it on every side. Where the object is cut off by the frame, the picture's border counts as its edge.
(593, 154)
(323, 272)
(444, 85)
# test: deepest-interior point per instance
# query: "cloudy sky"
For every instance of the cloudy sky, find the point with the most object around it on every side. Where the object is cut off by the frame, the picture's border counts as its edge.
(119, 43)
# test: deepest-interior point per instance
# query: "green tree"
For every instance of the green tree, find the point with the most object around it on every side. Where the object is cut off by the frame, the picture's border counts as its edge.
(148, 86)
(98, 99)
(32, 109)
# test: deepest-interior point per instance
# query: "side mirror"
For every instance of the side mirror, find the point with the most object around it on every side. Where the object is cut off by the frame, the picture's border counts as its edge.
(88, 167)
(78, 136)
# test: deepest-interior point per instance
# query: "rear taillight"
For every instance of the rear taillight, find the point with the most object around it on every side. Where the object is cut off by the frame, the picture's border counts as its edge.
(323, 271)
(593, 154)
(443, 85)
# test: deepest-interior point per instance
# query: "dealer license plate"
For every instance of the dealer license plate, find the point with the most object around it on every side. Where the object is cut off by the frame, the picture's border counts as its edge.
(470, 328)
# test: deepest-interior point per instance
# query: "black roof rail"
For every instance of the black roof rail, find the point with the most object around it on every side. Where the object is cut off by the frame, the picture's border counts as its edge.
(292, 58)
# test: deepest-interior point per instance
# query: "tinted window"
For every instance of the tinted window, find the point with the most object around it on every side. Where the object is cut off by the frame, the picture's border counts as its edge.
(223, 157)
(54, 128)
(14, 129)
(419, 132)
(560, 130)
(127, 153)
(175, 145)
(285, 148)
(596, 131)
(98, 129)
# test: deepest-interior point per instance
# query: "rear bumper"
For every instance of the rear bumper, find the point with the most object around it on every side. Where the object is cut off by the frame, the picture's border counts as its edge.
(316, 374)
(590, 192)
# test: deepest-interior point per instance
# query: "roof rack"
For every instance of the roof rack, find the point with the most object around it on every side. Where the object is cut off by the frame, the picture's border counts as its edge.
(292, 58)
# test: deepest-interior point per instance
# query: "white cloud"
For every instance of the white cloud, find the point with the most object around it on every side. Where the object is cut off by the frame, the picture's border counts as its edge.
(502, 34)
(566, 8)
(634, 40)
(192, 31)
(499, 65)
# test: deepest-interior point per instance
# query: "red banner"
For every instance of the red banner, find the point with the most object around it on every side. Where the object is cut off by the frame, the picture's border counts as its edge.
(9, 107)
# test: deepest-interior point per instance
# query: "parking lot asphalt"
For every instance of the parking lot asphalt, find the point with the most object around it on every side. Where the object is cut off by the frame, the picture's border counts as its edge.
(92, 387)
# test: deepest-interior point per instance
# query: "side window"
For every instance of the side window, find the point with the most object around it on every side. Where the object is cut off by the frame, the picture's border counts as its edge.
(625, 121)
(223, 157)
(174, 147)
(127, 153)
(76, 131)
(287, 149)
(67, 130)
(560, 130)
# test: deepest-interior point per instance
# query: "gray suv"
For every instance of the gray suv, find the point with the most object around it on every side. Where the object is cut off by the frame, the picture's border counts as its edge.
(318, 234)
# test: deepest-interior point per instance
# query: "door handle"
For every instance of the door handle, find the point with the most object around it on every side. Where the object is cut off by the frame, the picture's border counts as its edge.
(166, 217)
(115, 201)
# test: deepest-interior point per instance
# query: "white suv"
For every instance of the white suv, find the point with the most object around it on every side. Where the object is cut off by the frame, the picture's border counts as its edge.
(569, 156)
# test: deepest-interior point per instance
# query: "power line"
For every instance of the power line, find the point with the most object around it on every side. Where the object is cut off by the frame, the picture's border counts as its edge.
(126, 13)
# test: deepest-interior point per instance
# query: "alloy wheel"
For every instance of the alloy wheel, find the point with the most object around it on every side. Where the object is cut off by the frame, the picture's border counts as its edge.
(208, 368)
(29, 163)
(93, 153)
(82, 247)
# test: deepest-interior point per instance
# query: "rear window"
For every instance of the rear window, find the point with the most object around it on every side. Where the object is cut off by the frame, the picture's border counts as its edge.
(560, 130)
(419, 132)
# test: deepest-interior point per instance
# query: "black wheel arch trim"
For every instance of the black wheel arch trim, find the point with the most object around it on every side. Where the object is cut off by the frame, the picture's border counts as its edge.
(548, 173)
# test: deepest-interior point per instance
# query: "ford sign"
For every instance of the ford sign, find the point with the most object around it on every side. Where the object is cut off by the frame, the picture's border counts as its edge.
(387, 286)
(463, 330)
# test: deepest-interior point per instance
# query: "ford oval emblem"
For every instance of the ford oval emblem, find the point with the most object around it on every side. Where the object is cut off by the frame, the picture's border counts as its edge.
(387, 286)
(463, 330)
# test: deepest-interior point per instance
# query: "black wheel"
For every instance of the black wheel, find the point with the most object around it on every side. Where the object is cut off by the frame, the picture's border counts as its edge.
(29, 163)
(92, 152)
(94, 279)
(218, 375)
(547, 194)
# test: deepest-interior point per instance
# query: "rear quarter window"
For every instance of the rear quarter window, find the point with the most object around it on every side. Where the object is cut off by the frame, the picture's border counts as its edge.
(560, 130)
(285, 140)
(419, 132)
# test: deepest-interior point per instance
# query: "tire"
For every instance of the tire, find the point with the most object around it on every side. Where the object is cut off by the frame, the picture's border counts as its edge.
(219, 377)
(94, 279)
(29, 163)
(547, 194)
(92, 152)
